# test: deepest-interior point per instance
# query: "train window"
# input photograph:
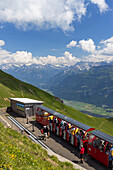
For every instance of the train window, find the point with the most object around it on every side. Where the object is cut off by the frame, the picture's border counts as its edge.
(40, 112)
(98, 143)
(95, 143)
(90, 139)
(46, 114)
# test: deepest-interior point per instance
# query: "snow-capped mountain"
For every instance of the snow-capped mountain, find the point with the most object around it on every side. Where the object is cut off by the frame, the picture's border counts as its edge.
(37, 75)
(42, 75)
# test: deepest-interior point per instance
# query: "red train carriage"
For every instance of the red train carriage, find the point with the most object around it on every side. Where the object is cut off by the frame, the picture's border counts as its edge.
(44, 115)
(99, 145)
(96, 142)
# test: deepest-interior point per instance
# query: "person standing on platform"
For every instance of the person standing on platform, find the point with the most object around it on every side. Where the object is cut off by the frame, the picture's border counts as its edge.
(82, 150)
(45, 132)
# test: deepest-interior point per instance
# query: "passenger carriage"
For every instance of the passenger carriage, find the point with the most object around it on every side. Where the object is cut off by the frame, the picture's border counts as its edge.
(99, 145)
(42, 116)
(90, 137)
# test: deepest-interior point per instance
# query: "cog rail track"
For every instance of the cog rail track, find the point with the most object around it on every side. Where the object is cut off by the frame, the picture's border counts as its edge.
(31, 135)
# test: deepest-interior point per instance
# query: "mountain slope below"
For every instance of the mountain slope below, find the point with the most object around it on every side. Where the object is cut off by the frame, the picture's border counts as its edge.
(94, 86)
(11, 87)
(24, 154)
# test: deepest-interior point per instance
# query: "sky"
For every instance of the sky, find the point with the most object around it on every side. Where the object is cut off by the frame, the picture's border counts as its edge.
(58, 32)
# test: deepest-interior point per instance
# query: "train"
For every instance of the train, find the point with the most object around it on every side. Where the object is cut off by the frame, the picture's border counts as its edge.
(97, 144)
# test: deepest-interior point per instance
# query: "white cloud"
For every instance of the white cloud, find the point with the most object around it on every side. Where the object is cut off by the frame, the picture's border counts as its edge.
(104, 52)
(72, 44)
(45, 14)
(2, 43)
(42, 13)
(87, 45)
(66, 59)
(24, 57)
(98, 58)
(107, 46)
(102, 5)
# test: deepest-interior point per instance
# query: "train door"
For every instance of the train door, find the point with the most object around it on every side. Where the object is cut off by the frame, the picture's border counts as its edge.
(96, 149)
(90, 149)
(99, 146)
(86, 136)
(42, 117)
(45, 120)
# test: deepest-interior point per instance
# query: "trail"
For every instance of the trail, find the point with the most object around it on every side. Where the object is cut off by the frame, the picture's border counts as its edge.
(102, 123)
(21, 90)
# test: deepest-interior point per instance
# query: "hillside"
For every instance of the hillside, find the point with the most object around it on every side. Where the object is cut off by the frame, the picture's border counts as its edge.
(24, 154)
(94, 86)
(11, 87)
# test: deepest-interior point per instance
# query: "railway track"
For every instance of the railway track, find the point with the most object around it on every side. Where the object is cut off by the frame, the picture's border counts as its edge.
(30, 135)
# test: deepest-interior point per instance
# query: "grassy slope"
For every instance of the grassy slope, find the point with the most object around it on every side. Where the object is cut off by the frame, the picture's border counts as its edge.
(19, 152)
(11, 87)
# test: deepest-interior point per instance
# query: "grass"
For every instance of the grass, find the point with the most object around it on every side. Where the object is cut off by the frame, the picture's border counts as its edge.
(20, 153)
(11, 87)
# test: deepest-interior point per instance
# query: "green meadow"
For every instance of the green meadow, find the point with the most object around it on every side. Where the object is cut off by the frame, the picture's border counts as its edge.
(20, 153)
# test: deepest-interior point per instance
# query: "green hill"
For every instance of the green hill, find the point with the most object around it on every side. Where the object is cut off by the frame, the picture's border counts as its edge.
(11, 87)
(94, 86)
(20, 153)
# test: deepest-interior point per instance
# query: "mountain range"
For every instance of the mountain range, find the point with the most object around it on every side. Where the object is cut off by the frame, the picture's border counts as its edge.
(93, 86)
(85, 81)
(37, 75)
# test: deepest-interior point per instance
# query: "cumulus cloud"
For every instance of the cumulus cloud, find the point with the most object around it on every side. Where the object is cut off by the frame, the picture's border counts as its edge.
(45, 14)
(2, 43)
(42, 14)
(24, 57)
(72, 44)
(87, 45)
(104, 52)
(102, 5)
(98, 58)
(66, 59)
(107, 46)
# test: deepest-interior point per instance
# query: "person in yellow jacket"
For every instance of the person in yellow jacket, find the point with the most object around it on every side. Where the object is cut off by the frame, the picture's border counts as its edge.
(73, 130)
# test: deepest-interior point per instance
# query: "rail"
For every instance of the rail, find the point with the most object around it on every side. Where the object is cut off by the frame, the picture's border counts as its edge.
(31, 135)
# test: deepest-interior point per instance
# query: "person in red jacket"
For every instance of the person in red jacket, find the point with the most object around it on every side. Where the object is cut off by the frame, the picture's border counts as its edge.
(82, 153)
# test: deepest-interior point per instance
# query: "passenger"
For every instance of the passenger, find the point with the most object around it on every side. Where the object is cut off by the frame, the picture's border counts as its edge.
(63, 127)
(95, 145)
(50, 119)
(61, 123)
(81, 134)
(100, 146)
(55, 120)
(107, 151)
(48, 134)
(45, 132)
(69, 130)
(78, 140)
(111, 155)
(73, 130)
(77, 129)
(82, 150)
(69, 126)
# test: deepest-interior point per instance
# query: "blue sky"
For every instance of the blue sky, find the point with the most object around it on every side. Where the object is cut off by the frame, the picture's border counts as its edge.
(56, 32)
